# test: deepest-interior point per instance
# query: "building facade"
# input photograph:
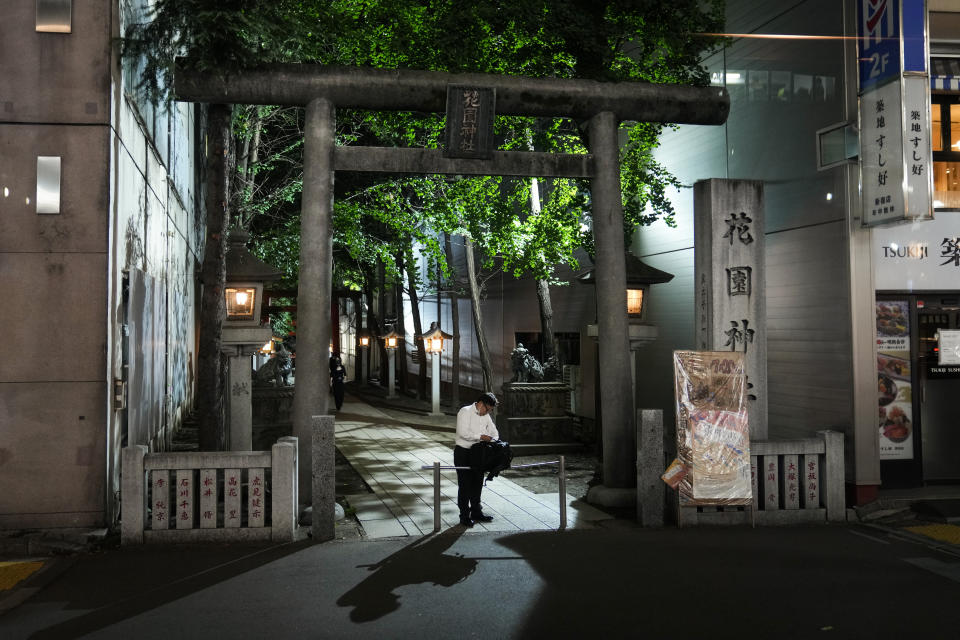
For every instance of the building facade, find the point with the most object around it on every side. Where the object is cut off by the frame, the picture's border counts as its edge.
(99, 242)
(846, 318)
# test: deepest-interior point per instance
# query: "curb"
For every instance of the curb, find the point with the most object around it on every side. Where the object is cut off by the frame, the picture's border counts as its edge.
(915, 538)
(23, 591)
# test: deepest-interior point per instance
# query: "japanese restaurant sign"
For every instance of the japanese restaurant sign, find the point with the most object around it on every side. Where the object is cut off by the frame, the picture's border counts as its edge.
(896, 156)
(923, 256)
(470, 113)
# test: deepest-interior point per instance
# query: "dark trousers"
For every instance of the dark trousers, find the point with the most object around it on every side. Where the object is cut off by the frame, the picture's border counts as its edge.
(469, 484)
(338, 393)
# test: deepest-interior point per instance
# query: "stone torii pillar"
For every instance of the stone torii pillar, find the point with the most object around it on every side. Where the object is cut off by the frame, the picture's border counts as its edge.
(602, 104)
(619, 452)
(311, 391)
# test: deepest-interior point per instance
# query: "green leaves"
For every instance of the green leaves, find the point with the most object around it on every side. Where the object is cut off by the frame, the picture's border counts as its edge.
(375, 216)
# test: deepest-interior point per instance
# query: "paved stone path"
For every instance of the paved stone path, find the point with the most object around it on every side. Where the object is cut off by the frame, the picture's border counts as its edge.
(389, 455)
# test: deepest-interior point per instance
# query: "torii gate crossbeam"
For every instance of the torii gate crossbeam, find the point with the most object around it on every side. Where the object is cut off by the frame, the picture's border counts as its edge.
(601, 105)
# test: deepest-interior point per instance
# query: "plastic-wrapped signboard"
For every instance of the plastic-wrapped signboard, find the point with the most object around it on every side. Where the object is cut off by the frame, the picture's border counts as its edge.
(713, 435)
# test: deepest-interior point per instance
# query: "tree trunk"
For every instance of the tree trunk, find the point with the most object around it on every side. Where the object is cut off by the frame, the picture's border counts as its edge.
(546, 320)
(210, 381)
(382, 308)
(376, 330)
(543, 288)
(418, 330)
(248, 156)
(477, 320)
(455, 320)
(401, 328)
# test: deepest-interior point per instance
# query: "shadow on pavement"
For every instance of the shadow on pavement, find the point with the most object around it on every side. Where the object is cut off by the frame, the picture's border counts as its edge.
(795, 582)
(136, 580)
(421, 561)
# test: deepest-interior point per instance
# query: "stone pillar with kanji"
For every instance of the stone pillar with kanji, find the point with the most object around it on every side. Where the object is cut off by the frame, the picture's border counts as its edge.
(730, 282)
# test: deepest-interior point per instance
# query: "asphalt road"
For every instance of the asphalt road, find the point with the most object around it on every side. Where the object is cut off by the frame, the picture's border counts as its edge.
(800, 582)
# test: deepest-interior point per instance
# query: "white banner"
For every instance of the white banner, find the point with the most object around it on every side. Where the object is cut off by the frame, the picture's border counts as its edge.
(896, 159)
(922, 256)
(881, 155)
(917, 148)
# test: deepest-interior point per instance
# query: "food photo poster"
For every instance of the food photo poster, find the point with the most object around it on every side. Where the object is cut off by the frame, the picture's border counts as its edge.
(894, 389)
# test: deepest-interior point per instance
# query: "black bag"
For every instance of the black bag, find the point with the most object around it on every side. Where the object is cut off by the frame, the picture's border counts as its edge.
(490, 457)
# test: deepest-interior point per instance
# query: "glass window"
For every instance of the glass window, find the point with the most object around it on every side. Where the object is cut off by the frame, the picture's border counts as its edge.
(936, 122)
(48, 184)
(955, 127)
(945, 121)
(946, 185)
(54, 16)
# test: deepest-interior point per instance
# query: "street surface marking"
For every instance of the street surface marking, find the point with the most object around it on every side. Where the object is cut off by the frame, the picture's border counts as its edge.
(13, 572)
(943, 532)
(950, 570)
(869, 537)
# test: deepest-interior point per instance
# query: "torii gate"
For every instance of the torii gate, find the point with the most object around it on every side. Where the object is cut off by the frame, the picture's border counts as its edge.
(601, 105)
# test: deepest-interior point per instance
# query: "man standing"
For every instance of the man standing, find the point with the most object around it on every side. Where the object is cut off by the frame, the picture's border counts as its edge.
(473, 425)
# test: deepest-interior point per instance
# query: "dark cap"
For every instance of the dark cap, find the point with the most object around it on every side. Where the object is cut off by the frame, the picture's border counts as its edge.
(488, 399)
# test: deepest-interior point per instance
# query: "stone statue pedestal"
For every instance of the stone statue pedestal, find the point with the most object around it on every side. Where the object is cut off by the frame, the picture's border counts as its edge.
(536, 413)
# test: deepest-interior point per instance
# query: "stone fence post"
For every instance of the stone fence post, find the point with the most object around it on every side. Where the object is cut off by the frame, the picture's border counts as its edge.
(324, 488)
(132, 510)
(284, 480)
(834, 500)
(650, 488)
(296, 468)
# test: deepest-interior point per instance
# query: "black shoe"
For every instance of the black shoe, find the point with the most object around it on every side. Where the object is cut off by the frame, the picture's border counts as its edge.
(480, 517)
(467, 522)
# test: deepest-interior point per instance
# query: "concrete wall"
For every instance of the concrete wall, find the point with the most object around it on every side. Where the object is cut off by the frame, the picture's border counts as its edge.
(63, 274)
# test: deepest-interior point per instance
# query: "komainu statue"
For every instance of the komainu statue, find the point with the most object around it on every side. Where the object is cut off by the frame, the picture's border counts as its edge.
(525, 366)
(277, 370)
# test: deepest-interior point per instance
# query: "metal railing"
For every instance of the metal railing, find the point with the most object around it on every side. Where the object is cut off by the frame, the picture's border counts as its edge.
(561, 477)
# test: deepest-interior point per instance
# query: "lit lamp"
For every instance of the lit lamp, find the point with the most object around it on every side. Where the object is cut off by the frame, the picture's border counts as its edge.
(390, 342)
(433, 343)
(635, 302)
(242, 333)
(242, 302)
(363, 341)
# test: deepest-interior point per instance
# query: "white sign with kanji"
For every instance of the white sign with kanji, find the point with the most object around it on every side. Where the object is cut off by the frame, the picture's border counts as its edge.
(895, 152)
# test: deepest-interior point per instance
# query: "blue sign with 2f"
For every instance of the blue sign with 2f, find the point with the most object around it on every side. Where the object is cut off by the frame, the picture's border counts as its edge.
(878, 42)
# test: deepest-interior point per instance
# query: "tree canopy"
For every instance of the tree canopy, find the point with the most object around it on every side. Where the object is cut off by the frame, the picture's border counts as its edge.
(638, 40)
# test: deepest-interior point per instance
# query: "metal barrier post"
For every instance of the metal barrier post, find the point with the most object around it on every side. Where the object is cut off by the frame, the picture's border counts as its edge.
(563, 496)
(436, 497)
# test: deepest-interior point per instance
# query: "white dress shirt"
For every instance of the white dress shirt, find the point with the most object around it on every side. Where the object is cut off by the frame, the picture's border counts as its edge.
(471, 425)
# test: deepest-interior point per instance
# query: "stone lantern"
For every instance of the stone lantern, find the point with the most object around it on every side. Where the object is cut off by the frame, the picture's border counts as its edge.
(242, 334)
(640, 276)
(390, 342)
(433, 343)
